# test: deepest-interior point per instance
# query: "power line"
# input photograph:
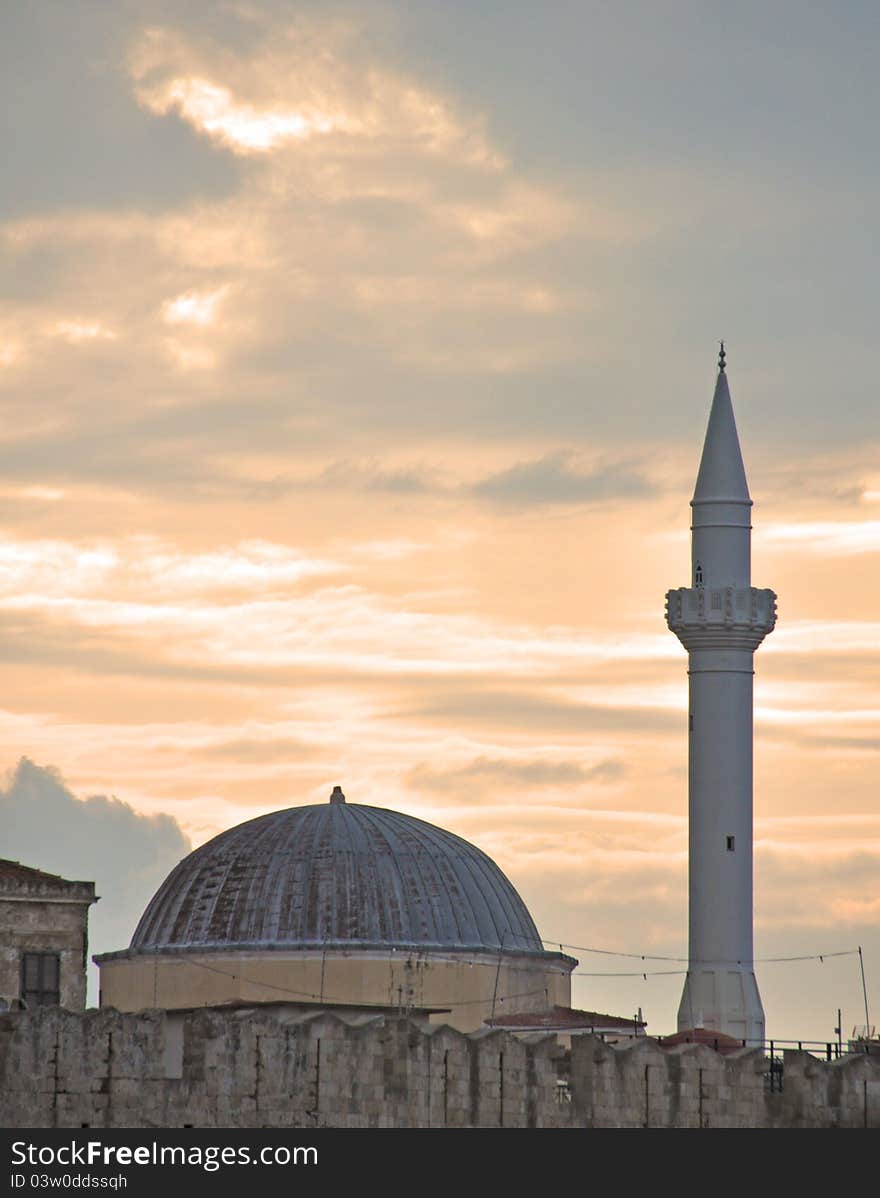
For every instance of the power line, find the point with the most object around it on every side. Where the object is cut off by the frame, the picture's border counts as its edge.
(451, 1003)
(847, 952)
(650, 973)
(607, 952)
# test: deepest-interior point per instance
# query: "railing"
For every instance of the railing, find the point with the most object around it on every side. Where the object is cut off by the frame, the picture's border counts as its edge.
(829, 1050)
(774, 1075)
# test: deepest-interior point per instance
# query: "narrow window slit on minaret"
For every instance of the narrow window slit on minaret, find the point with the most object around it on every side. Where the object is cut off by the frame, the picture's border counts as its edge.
(731, 844)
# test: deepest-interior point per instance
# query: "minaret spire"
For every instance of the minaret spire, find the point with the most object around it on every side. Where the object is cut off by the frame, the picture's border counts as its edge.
(721, 619)
(721, 524)
(721, 474)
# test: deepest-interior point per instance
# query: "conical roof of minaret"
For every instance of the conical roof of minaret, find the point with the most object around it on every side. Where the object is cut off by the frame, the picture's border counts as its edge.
(722, 474)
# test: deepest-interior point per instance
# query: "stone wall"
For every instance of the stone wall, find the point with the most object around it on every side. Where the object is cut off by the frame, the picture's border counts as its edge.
(250, 1068)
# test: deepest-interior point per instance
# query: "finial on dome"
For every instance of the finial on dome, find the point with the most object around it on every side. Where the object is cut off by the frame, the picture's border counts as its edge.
(337, 796)
(721, 359)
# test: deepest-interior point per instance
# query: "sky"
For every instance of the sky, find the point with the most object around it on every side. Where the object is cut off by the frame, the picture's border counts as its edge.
(355, 360)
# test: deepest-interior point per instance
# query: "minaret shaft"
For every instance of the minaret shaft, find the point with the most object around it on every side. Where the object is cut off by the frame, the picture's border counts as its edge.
(719, 779)
(721, 619)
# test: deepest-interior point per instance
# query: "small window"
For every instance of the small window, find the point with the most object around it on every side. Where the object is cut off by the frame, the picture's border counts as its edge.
(690, 721)
(698, 575)
(41, 979)
(731, 844)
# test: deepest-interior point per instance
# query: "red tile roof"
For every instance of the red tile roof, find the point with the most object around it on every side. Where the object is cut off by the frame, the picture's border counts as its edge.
(565, 1019)
(720, 1041)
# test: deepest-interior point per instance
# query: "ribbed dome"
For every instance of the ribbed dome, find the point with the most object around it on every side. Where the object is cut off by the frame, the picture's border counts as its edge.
(336, 874)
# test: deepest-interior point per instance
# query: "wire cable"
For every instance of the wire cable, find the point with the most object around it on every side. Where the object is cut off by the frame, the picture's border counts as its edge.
(607, 952)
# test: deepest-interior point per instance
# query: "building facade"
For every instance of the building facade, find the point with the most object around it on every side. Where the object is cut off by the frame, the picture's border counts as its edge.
(44, 938)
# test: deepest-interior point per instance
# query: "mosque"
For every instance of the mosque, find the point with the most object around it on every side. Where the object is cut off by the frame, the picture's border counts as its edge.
(344, 905)
(339, 905)
(343, 965)
(354, 907)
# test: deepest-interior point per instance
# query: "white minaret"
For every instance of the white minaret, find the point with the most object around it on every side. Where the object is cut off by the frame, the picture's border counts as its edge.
(721, 619)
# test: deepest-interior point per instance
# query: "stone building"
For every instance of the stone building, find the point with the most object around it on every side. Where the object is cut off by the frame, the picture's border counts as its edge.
(338, 903)
(43, 938)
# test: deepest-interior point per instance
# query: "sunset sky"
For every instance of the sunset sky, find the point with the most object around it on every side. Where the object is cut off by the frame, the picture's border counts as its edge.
(355, 360)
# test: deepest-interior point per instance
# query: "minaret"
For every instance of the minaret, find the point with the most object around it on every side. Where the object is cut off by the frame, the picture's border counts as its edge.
(720, 619)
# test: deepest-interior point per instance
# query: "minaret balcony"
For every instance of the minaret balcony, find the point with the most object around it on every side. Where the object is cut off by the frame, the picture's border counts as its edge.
(721, 617)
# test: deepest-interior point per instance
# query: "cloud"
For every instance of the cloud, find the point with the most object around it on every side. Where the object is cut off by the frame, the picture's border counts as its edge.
(76, 331)
(269, 604)
(360, 191)
(192, 307)
(97, 839)
(831, 637)
(831, 887)
(484, 774)
(868, 744)
(371, 476)
(345, 411)
(62, 569)
(521, 710)
(398, 241)
(836, 538)
(266, 749)
(308, 84)
(556, 479)
(80, 139)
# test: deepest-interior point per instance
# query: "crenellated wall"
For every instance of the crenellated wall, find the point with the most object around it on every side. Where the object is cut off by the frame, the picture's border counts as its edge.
(250, 1068)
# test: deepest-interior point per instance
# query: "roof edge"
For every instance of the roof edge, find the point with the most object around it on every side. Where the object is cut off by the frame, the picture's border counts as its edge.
(333, 946)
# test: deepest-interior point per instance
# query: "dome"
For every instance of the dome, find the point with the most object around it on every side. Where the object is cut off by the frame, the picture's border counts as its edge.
(336, 875)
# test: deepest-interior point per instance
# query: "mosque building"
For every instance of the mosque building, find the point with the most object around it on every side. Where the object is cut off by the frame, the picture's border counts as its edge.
(319, 924)
(339, 904)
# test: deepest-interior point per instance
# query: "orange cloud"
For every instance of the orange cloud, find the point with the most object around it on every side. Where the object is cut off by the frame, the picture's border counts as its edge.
(309, 84)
